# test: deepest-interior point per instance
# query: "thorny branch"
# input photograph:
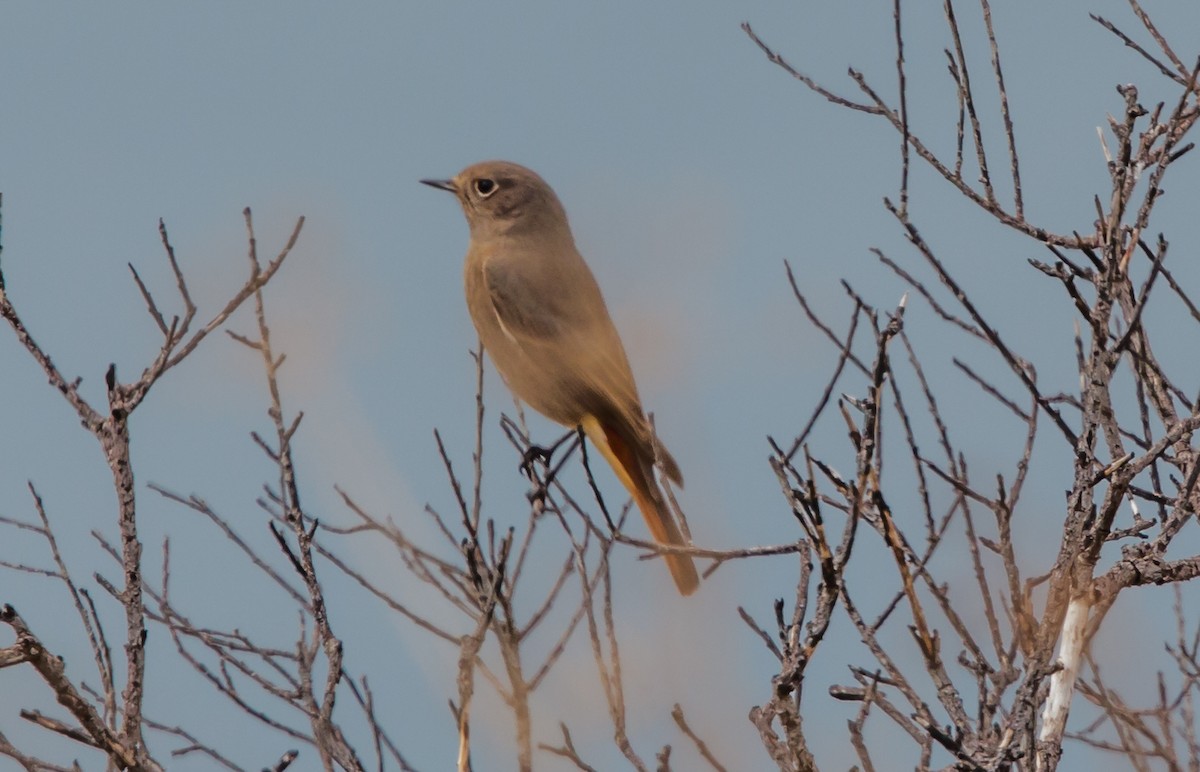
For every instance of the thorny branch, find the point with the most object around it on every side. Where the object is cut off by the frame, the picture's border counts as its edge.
(119, 732)
(1003, 701)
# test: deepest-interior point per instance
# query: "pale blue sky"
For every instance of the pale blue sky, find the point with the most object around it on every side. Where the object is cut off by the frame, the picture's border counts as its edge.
(690, 167)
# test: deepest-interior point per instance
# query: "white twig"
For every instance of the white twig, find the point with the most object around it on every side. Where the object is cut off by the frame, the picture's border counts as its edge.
(1062, 683)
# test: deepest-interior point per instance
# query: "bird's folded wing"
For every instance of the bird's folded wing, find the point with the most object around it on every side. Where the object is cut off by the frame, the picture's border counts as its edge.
(574, 340)
(526, 313)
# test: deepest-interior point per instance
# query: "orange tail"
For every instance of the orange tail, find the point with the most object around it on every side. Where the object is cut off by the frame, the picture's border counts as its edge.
(637, 476)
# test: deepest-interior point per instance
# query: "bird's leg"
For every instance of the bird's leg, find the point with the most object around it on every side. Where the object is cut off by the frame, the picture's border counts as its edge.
(537, 496)
(587, 469)
(539, 453)
(531, 454)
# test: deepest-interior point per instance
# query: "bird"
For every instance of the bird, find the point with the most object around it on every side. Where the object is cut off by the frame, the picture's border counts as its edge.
(543, 322)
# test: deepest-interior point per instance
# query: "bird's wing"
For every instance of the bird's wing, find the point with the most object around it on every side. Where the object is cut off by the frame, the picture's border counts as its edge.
(527, 313)
(573, 340)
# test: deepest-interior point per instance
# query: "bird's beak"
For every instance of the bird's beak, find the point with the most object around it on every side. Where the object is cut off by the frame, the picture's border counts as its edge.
(441, 185)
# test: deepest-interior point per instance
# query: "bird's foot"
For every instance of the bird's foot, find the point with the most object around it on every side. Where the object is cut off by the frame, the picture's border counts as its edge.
(531, 454)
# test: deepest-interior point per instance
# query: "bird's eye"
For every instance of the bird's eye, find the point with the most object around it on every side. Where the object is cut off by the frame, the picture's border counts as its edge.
(485, 187)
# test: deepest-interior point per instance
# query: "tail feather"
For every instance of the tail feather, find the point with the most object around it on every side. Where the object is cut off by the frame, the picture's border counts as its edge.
(636, 473)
